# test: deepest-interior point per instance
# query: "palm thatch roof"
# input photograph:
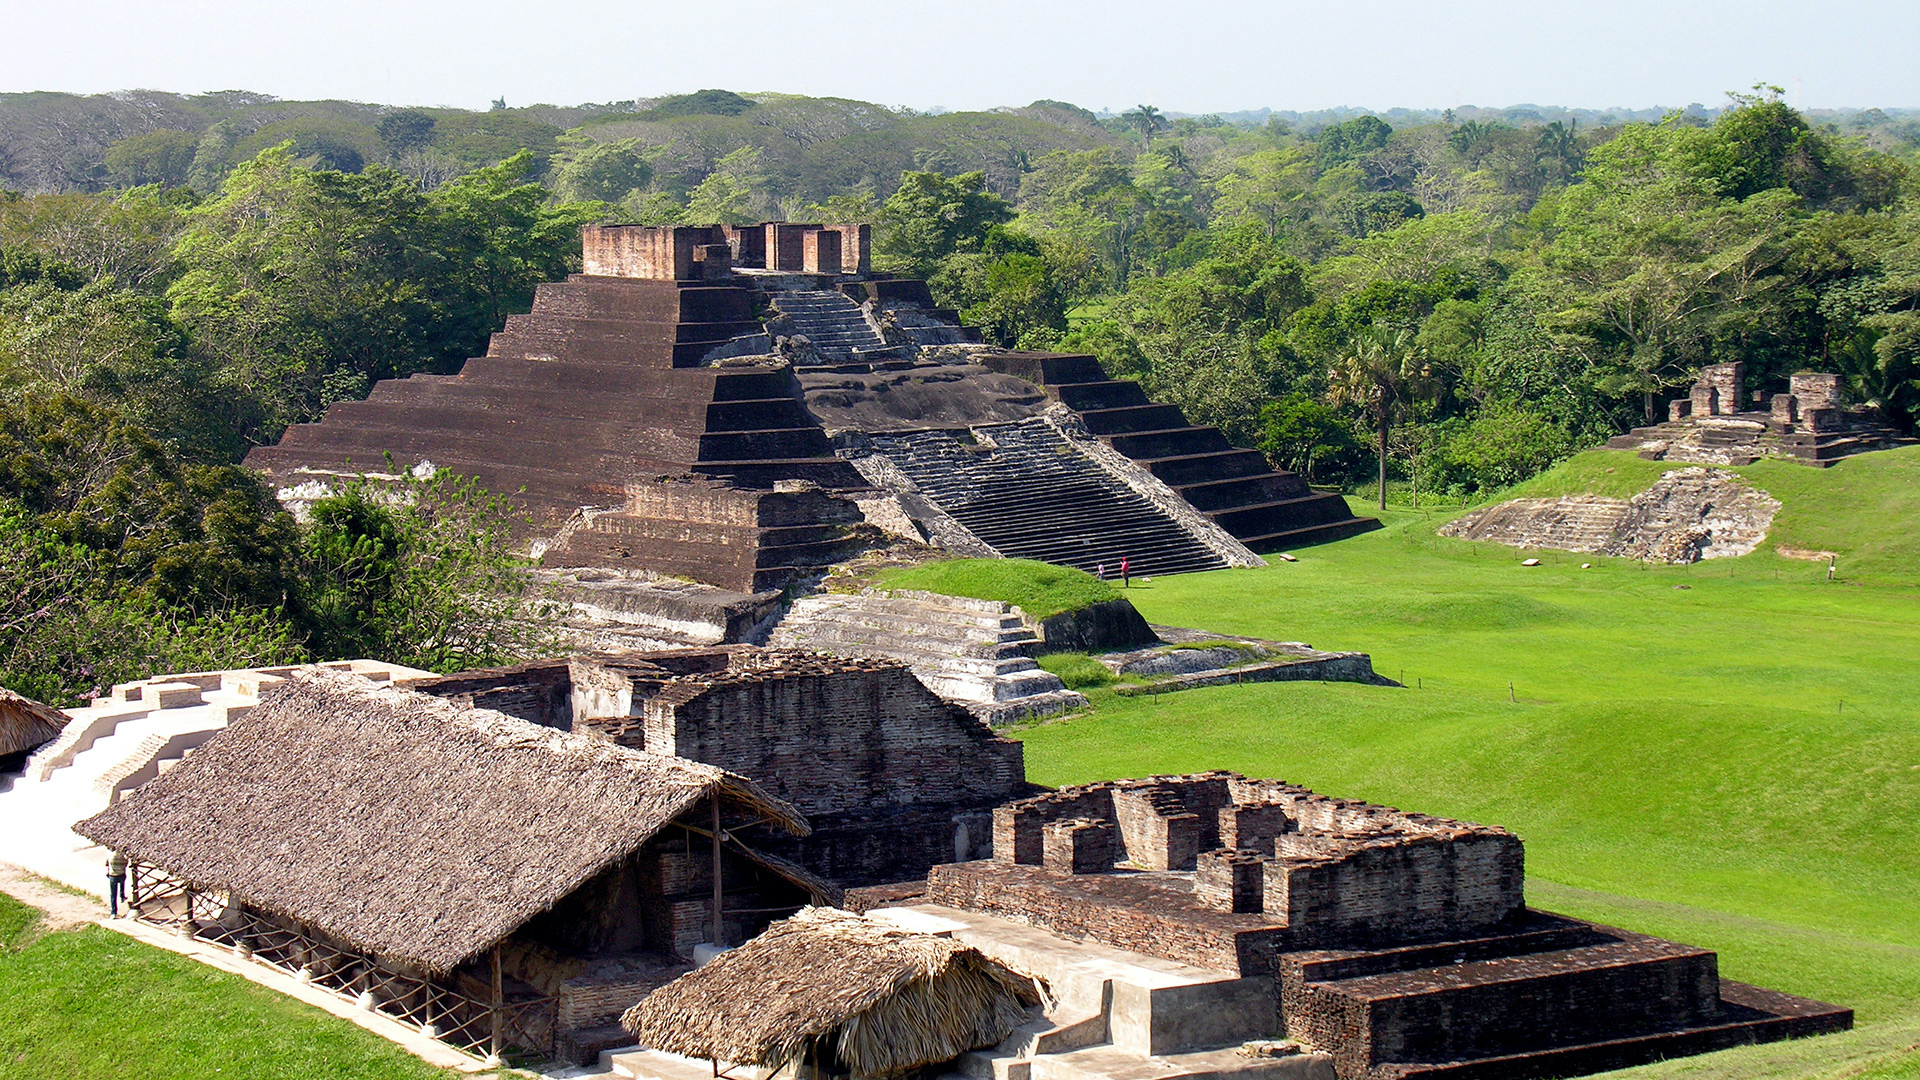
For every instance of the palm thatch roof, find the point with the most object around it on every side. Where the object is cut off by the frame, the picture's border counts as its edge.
(405, 825)
(25, 723)
(830, 983)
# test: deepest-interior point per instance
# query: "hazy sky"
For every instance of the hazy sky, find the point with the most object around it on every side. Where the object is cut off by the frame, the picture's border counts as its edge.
(1182, 55)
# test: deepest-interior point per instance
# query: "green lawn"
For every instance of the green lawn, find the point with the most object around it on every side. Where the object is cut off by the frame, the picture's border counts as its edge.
(90, 1003)
(1727, 753)
(1040, 589)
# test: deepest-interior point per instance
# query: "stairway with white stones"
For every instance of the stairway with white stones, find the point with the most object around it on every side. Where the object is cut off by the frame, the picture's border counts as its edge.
(973, 652)
(136, 732)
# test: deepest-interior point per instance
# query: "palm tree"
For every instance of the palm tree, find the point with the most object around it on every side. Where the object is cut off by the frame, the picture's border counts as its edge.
(1147, 120)
(1384, 372)
(1560, 144)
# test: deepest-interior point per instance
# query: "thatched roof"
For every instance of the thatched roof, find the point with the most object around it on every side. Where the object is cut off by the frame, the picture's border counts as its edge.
(25, 723)
(405, 825)
(881, 999)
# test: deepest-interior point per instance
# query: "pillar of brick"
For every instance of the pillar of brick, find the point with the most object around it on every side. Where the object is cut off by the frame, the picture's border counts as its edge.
(1080, 846)
(1253, 826)
(856, 243)
(749, 243)
(1229, 880)
(1785, 410)
(1815, 390)
(1018, 835)
(786, 245)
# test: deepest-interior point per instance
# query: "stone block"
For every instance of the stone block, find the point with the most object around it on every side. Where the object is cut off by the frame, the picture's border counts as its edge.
(1817, 390)
(1230, 880)
(1080, 846)
(1253, 826)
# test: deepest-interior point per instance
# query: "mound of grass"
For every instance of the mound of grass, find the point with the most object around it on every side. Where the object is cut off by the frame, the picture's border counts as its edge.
(16, 919)
(1866, 509)
(1734, 764)
(1078, 670)
(1041, 589)
(91, 1004)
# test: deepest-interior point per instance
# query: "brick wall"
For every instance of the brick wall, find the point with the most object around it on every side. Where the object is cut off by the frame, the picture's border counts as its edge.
(860, 735)
(662, 253)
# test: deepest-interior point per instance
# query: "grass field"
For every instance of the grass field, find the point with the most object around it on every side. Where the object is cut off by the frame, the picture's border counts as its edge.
(1727, 753)
(90, 1004)
(1040, 589)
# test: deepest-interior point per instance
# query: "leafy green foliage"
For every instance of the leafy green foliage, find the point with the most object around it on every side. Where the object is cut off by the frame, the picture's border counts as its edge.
(156, 157)
(932, 216)
(1307, 437)
(422, 574)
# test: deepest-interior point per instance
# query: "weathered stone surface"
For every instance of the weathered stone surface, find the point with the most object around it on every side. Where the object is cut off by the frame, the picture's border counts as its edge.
(1687, 515)
(1811, 423)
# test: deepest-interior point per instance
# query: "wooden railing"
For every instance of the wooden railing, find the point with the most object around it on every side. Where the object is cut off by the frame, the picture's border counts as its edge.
(433, 1007)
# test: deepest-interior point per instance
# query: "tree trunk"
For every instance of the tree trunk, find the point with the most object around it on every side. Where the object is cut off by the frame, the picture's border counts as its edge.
(1383, 459)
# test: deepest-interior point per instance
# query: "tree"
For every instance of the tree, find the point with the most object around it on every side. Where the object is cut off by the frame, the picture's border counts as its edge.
(500, 237)
(731, 194)
(602, 172)
(931, 216)
(406, 131)
(1303, 435)
(1146, 120)
(1384, 372)
(306, 285)
(156, 157)
(1649, 255)
(1346, 142)
(425, 575)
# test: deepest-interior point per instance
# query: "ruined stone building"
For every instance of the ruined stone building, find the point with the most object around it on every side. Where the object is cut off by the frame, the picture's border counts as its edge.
(738, 405)
(1717, 423)
(1180, 913)
(891, 778)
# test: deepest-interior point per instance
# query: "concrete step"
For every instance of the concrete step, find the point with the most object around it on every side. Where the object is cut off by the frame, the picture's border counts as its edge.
(1107, 1062)
(994, 1065)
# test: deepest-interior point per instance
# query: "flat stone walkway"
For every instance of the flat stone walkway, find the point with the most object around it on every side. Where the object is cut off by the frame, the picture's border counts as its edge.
(59, 909)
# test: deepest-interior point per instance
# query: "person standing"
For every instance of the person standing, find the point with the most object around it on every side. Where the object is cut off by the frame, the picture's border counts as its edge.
(116, 883)
(1125, 569)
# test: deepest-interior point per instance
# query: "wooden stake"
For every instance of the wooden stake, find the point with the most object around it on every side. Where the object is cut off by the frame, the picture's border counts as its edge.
(719, 930)
(499, 1001)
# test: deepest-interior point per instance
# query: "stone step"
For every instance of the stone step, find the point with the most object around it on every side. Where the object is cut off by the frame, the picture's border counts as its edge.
(994, 1065)
(1624, 986)
(1108, 1062)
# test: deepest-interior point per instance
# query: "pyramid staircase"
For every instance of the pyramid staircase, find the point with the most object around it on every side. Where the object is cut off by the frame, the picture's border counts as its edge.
(834, 324)
(1264, 509)
(1029, 495)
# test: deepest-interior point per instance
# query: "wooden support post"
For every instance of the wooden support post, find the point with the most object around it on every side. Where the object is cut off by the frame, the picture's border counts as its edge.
(719, 929)
(499, 1001)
